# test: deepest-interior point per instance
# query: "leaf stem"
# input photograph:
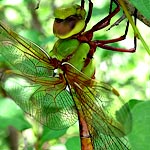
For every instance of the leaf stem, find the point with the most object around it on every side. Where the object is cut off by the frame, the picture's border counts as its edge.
(136, 31)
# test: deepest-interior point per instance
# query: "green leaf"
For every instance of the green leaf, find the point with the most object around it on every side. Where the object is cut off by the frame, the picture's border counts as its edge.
(134, 102)
(73, 143)
(140, 134)
(11, 114)
(49, 134)
(143, 7)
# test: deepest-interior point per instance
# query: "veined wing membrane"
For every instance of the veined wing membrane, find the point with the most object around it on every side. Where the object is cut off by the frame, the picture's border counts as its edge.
(23, 55)
(31, 84)
(101, 108)
(49, 103)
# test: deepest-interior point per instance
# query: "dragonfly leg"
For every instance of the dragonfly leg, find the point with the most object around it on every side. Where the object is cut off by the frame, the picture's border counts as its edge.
(115, 39)
(88, 35)
(82, 4)
(135, 20)
(107, 47)
(89, 12)
(102, 43)
(110, 9)
(126, 30)
(106, 21)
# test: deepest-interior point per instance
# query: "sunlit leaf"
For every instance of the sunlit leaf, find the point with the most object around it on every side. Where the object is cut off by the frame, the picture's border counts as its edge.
(73, 143)
(49, 134)
(143, 6)
(139, 136)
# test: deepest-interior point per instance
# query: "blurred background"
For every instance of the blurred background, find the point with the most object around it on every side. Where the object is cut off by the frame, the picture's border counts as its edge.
(128, 72)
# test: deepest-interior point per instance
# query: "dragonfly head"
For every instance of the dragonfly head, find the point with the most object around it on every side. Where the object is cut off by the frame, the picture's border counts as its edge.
(68, 21)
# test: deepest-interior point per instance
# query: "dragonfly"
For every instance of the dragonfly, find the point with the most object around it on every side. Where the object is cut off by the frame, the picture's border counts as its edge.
(58, 88)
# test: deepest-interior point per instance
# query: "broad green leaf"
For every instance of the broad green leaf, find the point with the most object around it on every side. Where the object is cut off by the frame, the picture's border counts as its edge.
(49, 134)
(140, 134)
(143, 6)
(73, 143)
(134, 102)
(11, 114)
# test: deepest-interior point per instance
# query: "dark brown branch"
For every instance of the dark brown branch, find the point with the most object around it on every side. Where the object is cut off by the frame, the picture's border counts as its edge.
(13, 138)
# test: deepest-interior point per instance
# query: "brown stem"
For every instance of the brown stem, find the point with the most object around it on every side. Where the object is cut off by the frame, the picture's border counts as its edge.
(35, 22)
(13, 138)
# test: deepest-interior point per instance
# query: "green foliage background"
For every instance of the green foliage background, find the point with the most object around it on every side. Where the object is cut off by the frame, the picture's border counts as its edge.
(129, 73)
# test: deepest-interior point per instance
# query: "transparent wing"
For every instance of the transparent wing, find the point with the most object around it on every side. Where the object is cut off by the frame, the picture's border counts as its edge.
(100, 105)
(23, 55)
(49, 103)
(31, 84)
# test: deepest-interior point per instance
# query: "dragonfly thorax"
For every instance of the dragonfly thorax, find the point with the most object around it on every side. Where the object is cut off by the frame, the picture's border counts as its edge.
(75, 53)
